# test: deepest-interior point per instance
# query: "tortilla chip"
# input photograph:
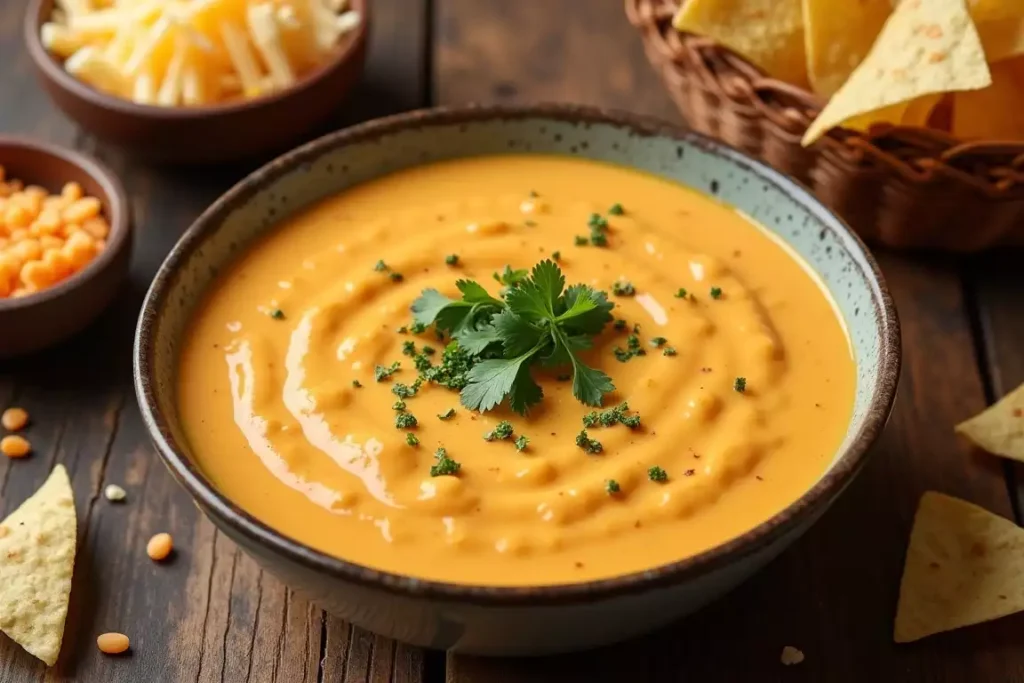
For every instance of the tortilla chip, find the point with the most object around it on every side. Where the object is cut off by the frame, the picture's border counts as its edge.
(837, 37)
(770, 33)
(37, 558)
(964, 566)
(999, 429)
(925, 47)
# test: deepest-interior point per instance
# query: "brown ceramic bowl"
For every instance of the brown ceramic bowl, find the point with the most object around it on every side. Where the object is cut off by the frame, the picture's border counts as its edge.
(538, 619)
(213, 134)
(39, 320)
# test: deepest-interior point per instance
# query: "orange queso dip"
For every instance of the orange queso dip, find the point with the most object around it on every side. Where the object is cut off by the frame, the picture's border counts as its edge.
(743, 387)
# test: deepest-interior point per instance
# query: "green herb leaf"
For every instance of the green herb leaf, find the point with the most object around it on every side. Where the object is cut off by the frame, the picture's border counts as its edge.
(474, 293)
(657, 474)
(525, 391)
(616, 209)
(623, 288)
(381, 372)
(612, 487)
(490, 381)
(428, 305)
(503, 430)
(356, 384)
(475, 341)
(447, 415)
(589, 445)
(539, 320)
(740, 384)
(452, 259)
(403, 391)
(521, 442)
(585, 310)
(444, 466)
(412, 439)
(716, 292)
(277, 314)
(405, 421)
(517, 335)
(512, 278)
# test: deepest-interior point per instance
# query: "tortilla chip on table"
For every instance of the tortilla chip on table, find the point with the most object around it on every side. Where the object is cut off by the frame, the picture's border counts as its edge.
(999, 429)
(37, 559)
(964, 566)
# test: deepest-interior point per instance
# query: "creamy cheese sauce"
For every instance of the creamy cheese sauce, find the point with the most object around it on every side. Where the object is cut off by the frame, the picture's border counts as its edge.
(275, 420)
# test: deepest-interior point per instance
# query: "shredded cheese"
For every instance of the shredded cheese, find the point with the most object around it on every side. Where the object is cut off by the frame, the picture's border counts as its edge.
(174, 53)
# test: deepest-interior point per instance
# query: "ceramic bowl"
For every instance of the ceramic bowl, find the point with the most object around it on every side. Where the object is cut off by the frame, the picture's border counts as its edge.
(530, 620)
(39, 320)
(210, 134)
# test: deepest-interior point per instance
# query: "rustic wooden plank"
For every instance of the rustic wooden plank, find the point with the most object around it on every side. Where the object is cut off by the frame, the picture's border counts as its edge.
(832, 595)
(996, 287)
(210, 614)
(555, 51)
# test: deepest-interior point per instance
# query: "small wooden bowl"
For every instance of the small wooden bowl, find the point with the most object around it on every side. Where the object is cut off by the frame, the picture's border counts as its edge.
(213, 134)
(39, 320)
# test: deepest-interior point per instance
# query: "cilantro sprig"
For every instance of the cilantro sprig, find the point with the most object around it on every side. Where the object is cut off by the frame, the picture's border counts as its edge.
(538, 320)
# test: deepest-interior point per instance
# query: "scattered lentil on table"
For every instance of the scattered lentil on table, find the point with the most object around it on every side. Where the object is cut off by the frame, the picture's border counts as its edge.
(160, 547)
(113, 643)
(14, 419)
(14, 446)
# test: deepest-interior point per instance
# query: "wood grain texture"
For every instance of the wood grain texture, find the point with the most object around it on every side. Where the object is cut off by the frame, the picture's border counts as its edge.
(543, 50)
(833, 594)
(996, 285)
(210, 615)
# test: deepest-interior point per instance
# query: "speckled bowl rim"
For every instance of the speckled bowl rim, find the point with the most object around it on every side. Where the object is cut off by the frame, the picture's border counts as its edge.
(732, 551)
(119, 217)
(51, 66)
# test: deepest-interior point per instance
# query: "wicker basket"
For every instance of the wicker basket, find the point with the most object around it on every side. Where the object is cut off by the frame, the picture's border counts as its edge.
(898, 186)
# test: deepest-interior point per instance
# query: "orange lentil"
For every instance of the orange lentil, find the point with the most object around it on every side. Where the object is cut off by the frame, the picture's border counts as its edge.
(113, 643)
(72, 192)
(159, 547)
(45, 238)
(14, 419)
(14, 446)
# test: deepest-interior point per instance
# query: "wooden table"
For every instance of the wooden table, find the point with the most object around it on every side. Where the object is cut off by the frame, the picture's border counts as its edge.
(213, 615)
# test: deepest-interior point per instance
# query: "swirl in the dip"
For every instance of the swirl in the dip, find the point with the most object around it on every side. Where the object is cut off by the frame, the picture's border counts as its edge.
(743, 389)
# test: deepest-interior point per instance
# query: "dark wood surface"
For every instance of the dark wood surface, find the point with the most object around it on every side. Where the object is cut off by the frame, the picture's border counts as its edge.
(213, 615)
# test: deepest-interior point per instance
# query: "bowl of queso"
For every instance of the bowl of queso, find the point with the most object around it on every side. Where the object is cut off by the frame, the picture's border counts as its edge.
(513, 381)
